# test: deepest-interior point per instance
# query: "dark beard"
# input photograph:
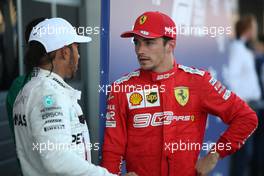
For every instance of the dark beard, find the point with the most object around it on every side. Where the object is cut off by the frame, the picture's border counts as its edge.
(72, 68)
(72, 65)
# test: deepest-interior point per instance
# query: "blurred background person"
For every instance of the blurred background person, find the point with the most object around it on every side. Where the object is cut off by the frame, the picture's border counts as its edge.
(258, 136)
(242, 73)
(259, 53)
(8, 44)
(243, 81)
(20, 81)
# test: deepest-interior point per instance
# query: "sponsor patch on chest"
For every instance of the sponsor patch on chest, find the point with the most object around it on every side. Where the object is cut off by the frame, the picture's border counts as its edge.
(143, 98)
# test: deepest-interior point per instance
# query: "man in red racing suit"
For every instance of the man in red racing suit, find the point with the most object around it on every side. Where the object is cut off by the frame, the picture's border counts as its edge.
(156, 121)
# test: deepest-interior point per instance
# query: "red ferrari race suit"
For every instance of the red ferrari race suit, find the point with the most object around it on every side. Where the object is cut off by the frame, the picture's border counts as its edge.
(149, 115)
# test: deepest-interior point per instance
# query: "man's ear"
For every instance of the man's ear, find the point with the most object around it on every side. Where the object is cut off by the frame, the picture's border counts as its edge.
(65, 52)
(171, 44)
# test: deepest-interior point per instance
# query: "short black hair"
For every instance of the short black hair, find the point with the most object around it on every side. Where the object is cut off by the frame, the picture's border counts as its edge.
(166, 40)
(244, 24)
(35, 55)
(35, 50)
(30, 26)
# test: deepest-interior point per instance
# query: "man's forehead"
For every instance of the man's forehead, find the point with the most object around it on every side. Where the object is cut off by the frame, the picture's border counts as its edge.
(137, 37)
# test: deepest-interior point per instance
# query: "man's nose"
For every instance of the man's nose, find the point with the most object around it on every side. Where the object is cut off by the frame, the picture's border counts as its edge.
(141, 48)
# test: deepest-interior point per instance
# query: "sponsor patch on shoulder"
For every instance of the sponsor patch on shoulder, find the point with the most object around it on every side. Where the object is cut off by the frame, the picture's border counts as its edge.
(212, 81)
(48, 101)
(227, 94)
(127, 77)
(219, 88)
(192, 70)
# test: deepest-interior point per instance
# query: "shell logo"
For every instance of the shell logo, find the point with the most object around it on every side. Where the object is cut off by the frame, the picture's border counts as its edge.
(135, 99)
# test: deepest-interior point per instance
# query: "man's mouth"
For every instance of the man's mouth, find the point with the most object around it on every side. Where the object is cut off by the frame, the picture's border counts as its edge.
(143, 59)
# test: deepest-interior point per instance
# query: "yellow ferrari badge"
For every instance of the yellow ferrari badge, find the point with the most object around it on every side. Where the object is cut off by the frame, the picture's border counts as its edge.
(182, 95)
(142, 19)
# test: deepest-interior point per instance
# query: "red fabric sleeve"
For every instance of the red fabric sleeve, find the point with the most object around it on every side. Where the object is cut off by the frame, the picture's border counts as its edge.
(242, 120)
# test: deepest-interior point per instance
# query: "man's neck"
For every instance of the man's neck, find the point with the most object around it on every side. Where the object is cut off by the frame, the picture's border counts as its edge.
(54, 70)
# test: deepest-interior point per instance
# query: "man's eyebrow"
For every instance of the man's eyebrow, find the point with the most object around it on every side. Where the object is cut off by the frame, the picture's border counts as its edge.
(149, 39)
(144, 39)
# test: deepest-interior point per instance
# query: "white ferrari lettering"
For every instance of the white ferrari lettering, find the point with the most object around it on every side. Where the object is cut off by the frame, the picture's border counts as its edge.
(158, 119)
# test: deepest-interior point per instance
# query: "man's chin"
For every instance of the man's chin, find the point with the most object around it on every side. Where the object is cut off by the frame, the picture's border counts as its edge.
(147, 68)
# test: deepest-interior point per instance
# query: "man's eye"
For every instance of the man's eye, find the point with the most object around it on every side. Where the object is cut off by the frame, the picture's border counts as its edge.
(149, 42)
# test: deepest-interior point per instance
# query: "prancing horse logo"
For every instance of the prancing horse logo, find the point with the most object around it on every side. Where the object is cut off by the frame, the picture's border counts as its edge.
(182, 95)
(142, 19)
